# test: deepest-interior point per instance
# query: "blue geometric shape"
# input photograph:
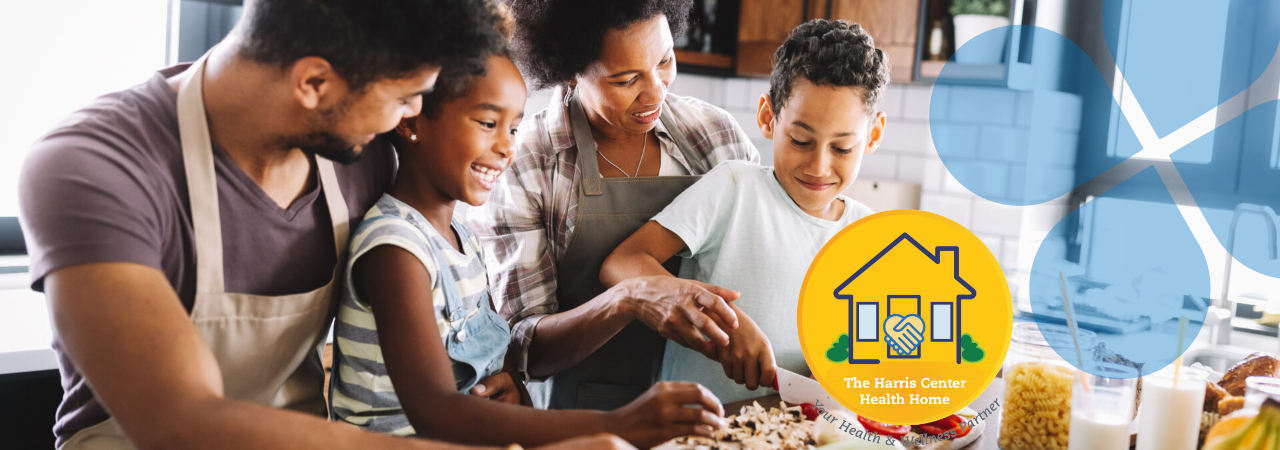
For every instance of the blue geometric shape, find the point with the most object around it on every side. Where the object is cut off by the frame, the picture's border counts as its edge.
(1018, 146)
(1252, 180)
(1181, 58)
(1141, 260)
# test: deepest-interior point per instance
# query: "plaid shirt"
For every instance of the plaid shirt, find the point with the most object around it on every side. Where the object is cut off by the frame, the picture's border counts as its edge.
(529, 219)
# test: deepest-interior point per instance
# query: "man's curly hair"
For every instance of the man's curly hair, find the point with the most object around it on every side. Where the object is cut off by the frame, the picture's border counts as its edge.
(829, 53)
(555, 40)
(367, 41)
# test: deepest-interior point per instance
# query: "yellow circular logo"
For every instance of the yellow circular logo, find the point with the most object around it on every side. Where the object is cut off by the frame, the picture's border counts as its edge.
(905, 317)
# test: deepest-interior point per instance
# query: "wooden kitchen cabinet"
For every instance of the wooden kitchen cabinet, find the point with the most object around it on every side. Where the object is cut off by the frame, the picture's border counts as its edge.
(893, 24)
(765, 24)
(762, 26)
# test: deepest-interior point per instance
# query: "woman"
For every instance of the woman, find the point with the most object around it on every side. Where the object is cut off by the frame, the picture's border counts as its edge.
(611, 150)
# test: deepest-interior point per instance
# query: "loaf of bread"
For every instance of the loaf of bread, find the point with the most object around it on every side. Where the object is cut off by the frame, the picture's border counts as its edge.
(1257, 364)
(1212, 395)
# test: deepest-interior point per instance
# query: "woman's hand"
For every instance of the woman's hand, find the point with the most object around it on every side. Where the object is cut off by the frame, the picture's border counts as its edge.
(499, 386)
(748, 359)
(661, 414)
(682, 310)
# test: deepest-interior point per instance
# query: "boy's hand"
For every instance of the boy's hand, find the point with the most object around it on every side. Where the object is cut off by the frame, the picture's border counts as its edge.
(748, 359)
(661, 414)
(683, 310)
(500, 387)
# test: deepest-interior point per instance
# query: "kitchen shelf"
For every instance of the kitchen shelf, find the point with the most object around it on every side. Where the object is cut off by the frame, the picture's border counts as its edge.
(711, 60)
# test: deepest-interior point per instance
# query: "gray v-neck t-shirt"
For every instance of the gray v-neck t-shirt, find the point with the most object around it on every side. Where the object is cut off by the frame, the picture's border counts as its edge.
(107, 185)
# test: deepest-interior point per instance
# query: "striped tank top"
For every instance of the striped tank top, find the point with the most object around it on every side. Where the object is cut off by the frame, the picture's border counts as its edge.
(361, 392)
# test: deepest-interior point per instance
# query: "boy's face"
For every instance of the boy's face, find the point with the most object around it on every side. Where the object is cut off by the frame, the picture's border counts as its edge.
(819, 138)
(471, 141)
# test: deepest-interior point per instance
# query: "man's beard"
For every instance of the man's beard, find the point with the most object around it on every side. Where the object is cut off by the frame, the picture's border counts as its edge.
(325, 143)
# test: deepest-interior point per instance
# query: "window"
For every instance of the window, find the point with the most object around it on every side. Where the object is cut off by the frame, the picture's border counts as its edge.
(58, 56)
(868, 322)
(940, 319)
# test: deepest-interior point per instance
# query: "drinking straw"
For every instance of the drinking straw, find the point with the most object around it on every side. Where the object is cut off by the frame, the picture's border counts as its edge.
(1071, 318)
(1075, 338)
(1177, 363)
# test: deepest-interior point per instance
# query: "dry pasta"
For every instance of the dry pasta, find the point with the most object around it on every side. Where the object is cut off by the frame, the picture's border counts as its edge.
(1037, 407)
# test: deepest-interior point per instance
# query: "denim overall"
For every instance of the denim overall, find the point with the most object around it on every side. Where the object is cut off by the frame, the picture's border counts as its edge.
(478, 343)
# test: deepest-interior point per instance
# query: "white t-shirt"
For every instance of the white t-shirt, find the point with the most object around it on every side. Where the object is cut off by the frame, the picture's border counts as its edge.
(743, 232)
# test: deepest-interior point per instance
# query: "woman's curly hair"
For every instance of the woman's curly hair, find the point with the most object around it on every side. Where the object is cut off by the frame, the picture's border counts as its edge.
(829, 53)
(555, 40)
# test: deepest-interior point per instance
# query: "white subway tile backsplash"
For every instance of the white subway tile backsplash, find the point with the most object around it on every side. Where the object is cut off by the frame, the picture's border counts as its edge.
(755, 88)
(1003, 143)
(952, 186)
(905, 136)
(911, 168)
(1017, 182)
(1043, 217)
(736, 94)
(956, 139)
(708, 89)
(916, 98)
(994, 218)
(1022, 114)
(933, 175)
(765, 147)
(959, 209)
(993, 242)
(891, 102)
(747, 120)
(982, 105)
(879, 166)
(1008, 255)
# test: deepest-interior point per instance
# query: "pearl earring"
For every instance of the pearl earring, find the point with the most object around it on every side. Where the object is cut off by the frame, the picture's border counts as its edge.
(413, 138)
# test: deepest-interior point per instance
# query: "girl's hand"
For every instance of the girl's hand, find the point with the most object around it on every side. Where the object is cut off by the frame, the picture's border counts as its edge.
(500, 387)
(596, 442)
(664, 413)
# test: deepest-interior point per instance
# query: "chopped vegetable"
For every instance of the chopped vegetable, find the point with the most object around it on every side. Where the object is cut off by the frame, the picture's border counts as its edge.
(897, 431)
(809, 411)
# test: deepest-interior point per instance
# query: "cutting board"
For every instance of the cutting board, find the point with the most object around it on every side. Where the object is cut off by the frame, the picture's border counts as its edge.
(773, 401)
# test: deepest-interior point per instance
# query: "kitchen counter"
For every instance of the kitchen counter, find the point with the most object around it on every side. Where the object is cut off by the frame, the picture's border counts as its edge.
(25, 331)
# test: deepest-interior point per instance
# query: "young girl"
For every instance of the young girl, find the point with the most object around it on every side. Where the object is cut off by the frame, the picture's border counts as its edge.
(419, 348)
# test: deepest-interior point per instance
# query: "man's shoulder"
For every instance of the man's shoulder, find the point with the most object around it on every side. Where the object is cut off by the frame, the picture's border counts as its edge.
(132, 132)
(136, 121)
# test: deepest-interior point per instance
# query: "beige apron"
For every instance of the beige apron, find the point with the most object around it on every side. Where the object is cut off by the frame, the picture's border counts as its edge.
(268, 348)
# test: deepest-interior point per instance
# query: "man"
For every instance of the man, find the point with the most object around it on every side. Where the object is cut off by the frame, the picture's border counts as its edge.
(186, 230)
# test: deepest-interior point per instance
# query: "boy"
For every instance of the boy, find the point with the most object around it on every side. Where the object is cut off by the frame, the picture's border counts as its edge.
(757, 229)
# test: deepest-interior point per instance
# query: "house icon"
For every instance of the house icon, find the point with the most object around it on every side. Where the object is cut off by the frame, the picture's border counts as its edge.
(902, 280)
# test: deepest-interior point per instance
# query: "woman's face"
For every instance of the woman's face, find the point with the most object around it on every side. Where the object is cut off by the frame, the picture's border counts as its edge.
(624, 89)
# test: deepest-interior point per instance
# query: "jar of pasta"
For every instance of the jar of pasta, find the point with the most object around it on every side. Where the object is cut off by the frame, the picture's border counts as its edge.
(1036, 410)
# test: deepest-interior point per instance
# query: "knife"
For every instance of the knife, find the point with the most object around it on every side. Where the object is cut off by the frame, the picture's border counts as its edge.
(797, 389)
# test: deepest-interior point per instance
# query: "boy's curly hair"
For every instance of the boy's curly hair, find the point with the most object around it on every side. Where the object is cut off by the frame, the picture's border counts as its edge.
(555, 40)
(829, 53)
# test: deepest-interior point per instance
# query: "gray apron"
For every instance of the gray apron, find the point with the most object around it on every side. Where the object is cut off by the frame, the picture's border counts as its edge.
(609, 211)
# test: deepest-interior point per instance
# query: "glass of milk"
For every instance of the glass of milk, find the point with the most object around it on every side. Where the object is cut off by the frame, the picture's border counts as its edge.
(1170, 417)
(1102, 408)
